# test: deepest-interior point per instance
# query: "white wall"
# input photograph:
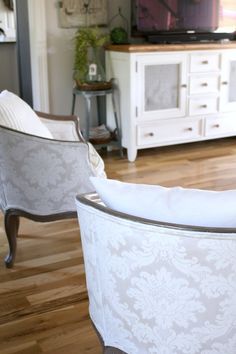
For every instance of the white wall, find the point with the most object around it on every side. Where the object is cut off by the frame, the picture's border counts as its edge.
(60, 58)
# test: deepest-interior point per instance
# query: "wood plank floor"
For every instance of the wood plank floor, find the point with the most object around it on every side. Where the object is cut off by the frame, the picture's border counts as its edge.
(43, 299)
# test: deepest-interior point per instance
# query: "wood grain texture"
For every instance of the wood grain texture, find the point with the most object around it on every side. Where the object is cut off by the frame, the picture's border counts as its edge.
(43, 299)
(141, 48)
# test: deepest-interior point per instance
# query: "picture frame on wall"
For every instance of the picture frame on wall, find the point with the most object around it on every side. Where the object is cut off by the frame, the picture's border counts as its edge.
(80, 13)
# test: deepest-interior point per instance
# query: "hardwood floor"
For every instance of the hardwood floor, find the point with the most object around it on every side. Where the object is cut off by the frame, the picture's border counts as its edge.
(43, 300)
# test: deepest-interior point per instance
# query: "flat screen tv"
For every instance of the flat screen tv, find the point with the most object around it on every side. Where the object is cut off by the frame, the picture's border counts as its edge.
(183, 20)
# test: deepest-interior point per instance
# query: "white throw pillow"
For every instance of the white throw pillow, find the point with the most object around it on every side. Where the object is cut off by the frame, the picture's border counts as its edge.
(17, 114)
(174, 205)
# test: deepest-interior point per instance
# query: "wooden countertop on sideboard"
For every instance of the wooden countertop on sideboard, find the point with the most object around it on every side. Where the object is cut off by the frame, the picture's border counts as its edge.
(146, 47)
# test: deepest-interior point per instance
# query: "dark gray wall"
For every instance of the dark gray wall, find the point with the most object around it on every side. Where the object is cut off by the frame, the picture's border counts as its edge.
(23, 51)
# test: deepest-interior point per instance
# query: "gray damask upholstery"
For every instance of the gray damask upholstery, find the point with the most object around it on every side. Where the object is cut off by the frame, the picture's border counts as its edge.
(39, 177)
(158, 288)
(42, 176)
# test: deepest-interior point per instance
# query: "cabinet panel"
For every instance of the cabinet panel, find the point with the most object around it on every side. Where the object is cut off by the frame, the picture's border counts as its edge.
(204, 62)
(225, 125)
(228, 82)
(200, 84)
(161, 93)
(169, 131)
(203, 105)
(161, 86)
(232, 81)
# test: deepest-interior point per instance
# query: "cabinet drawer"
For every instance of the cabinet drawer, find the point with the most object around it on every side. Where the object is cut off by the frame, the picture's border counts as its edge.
(220, 126)
(204, 62)
(168, 131)
(203, 84)
(204, 105)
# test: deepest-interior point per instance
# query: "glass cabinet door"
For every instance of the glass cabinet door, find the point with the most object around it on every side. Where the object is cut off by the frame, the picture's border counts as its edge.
(161, 86)
(228, 82)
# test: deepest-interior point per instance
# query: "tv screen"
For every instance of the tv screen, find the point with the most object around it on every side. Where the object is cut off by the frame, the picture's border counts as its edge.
(153, 16)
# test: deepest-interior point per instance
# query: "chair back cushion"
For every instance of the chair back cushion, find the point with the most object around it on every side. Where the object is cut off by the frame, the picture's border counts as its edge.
(42, 176)
(173, 205)
(18, 115)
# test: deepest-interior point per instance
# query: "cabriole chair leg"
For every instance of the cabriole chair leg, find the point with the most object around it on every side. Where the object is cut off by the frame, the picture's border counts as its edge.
(11, 228)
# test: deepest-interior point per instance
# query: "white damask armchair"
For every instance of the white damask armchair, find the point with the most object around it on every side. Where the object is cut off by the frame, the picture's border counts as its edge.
(40, 177)
(156, 287)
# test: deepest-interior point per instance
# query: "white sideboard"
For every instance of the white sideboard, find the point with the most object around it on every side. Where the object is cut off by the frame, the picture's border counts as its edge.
(172, 94)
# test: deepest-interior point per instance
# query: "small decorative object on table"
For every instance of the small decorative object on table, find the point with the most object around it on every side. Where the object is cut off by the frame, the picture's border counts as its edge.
(119, 28)
(89, 73)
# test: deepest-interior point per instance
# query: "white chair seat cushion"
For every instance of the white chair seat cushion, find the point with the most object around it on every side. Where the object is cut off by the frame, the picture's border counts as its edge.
(18, 115)
(173, 205)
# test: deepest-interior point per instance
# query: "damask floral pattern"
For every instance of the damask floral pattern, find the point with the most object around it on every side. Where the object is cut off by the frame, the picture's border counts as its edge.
(223, 255)
(153, 293)
(42, 176)
(159, 290)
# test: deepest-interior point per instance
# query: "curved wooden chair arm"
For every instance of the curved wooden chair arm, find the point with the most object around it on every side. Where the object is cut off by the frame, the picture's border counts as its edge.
(57, 116)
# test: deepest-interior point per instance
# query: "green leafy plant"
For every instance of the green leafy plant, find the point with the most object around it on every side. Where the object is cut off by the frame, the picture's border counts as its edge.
(86, 38)
(119, 35)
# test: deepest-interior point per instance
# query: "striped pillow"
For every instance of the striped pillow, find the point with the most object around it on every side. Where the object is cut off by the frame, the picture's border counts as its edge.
(18, 115)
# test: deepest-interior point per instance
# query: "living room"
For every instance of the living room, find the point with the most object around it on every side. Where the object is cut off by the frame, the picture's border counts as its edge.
(44, 295)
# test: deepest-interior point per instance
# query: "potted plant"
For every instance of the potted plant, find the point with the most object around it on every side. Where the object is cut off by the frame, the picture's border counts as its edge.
(89, 73)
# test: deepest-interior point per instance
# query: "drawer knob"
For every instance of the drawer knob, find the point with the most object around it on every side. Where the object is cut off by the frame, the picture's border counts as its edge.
(216, 125)
(205, 84)
(224, 82)
(204, 106)
(205, 62)
(189, 129)
(151, 134)
(184, 86)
